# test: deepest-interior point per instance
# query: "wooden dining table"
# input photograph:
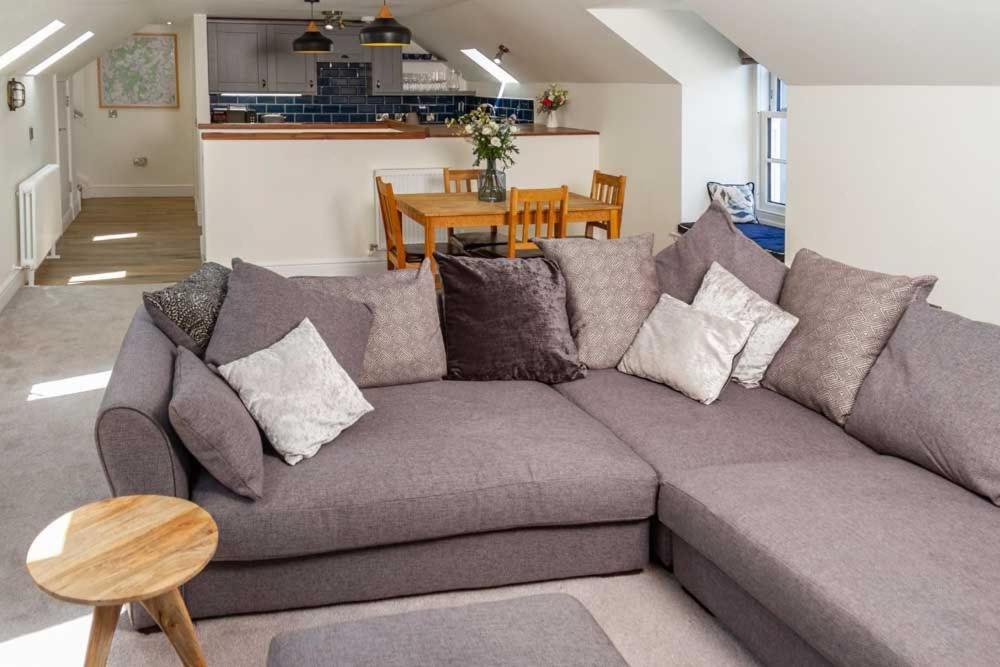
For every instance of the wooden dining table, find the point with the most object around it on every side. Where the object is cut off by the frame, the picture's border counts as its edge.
(442, 210)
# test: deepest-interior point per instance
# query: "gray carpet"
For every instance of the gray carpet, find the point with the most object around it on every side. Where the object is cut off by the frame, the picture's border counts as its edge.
(54, 333)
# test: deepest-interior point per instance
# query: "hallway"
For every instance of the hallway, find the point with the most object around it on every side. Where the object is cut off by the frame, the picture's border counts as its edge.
(135, 240)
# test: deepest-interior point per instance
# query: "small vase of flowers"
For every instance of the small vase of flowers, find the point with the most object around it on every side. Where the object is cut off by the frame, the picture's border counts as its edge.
(553, 99)
(492, 140)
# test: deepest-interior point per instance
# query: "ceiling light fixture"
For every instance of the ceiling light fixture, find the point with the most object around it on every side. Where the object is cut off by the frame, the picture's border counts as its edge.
(312, 40)
(501, 51)
(497, 72)
(30, 43)
(59, 55)
(385, 30)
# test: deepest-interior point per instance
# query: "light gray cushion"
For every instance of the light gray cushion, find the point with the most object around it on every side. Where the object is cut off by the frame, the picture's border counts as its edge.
(691, 350)
(298, 393)
(933, 397)
(680, 267)
(433, 460)
(724, 294)
(872, 560)
(610, 289)
(186, 312)
(846, 315)
(674, 433)
(405, 344)
(553, 630)
(261, 307)
(215, 426)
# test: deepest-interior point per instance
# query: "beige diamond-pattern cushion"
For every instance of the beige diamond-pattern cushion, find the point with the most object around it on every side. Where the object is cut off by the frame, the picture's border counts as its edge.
(405, 344)
(610, 289)
(846, 316)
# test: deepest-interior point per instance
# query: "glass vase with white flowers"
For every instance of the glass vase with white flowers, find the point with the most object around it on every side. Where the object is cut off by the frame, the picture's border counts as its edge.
(492, 140)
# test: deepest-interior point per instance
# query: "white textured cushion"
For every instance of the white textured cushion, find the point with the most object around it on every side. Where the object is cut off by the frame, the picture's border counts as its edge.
(724, 294)
(298, 393)
(687, 349)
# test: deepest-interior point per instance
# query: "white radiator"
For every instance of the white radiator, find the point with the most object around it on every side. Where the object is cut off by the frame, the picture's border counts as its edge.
(404, 181)
(40, 211)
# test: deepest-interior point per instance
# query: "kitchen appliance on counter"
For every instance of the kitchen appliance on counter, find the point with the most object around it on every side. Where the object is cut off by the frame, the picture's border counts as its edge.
(272, 118)
(234, 113)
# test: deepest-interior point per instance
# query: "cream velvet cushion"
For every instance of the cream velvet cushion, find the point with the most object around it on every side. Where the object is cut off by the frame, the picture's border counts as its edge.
(687, 349)
(298, 393)
(724, 294)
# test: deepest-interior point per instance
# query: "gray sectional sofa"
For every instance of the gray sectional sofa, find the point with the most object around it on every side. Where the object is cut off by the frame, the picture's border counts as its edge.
(808, 545)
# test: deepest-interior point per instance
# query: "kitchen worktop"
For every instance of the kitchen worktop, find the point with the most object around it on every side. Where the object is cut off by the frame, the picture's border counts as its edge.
(356, 131)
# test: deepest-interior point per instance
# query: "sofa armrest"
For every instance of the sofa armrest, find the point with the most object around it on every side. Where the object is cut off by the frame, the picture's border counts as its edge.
(139, 450)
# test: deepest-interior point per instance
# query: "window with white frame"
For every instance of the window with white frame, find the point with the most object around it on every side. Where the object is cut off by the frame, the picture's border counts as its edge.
(772, 143)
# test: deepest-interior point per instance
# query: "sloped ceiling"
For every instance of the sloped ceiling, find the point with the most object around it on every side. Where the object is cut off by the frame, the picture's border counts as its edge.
(866, 42)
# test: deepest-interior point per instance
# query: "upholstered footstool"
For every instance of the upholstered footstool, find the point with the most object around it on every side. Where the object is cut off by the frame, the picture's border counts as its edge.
(546, 630)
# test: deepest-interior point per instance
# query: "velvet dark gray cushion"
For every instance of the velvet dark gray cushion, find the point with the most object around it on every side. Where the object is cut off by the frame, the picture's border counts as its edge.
(186, 312)
(681, 267)
(438, 459)
(873, 561)
(553, 630)
(215, 426)
(507, 320)
(262, 307)
(933, 397)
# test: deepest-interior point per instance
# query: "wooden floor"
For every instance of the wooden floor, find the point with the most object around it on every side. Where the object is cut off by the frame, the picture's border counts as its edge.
(166, 247)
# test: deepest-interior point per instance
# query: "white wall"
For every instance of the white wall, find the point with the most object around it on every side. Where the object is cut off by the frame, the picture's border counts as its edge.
(19, 158)
(901, 180)
(103, 147)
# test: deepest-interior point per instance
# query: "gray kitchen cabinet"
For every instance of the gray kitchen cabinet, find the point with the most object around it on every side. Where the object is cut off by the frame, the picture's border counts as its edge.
(237, 57)
(288, 72)
(387, 69)
(346, 47)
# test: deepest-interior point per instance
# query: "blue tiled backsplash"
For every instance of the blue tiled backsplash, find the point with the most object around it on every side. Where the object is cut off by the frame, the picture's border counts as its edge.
(343, 98)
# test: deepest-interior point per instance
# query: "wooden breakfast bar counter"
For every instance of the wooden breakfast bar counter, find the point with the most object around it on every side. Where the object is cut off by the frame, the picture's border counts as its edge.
(357, 131)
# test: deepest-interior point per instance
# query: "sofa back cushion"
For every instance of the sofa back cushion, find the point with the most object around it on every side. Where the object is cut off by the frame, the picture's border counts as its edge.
(933, 397)
(681, 267)
(405, 343)
(846, 315)
(262, 307)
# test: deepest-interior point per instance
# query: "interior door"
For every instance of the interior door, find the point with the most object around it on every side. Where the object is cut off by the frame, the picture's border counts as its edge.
(63, 116)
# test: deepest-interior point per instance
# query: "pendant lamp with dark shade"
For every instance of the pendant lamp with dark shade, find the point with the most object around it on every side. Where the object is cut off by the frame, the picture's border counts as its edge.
(312, 40)
(385, 31)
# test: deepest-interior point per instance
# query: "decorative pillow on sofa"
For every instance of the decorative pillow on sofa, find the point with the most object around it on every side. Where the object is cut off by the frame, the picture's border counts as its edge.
(405, 343)
(186, 312)
(611, 287)
(262, 307)
(215, 426)
(689, 350)
(932, 398)
(298, 393)
(846, 315)
(738, 198)
(506, 319)
(681, 267)
(724, 294)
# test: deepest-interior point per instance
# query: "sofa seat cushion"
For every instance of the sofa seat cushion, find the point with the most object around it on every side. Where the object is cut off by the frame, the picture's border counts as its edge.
(435, 460)
(872, 560)
(673, 433)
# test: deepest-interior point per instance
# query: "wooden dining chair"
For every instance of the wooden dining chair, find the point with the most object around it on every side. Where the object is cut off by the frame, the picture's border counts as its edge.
(398, 254)
(540, 213)
(461, 242)
(609, 189)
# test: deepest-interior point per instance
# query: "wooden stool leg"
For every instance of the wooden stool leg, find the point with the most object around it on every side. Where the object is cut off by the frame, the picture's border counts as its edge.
(102, 631)
(171, 615)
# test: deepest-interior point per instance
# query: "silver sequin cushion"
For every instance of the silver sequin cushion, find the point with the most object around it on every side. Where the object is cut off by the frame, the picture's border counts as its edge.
(297, 392)
(724, 294)
(186, 312)
(687, 349)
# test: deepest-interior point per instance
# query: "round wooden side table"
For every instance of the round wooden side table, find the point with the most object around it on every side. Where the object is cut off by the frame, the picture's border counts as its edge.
(127, 549)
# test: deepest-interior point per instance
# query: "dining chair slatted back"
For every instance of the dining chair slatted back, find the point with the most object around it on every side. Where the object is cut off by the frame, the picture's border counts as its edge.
(609, 189)
(539, 213)
(457, 179)
(392, 223)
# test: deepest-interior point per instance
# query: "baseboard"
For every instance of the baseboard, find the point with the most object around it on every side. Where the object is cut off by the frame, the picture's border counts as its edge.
(9, 286)
(101, 191)
(341, 266)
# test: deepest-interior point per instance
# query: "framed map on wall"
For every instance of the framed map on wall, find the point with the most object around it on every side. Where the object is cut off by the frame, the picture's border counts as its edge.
(141, 73)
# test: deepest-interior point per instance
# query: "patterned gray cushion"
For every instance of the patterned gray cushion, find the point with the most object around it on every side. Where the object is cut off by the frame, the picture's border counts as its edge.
(215, 426)
(738, 198)
(846, 315)
(405, 344)
(298, 393)
(611, 288)
(186, 312)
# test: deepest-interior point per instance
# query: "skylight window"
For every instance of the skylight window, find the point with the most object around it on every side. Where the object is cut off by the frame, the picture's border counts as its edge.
(497, 72)
(59, 55)
(30, 43)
